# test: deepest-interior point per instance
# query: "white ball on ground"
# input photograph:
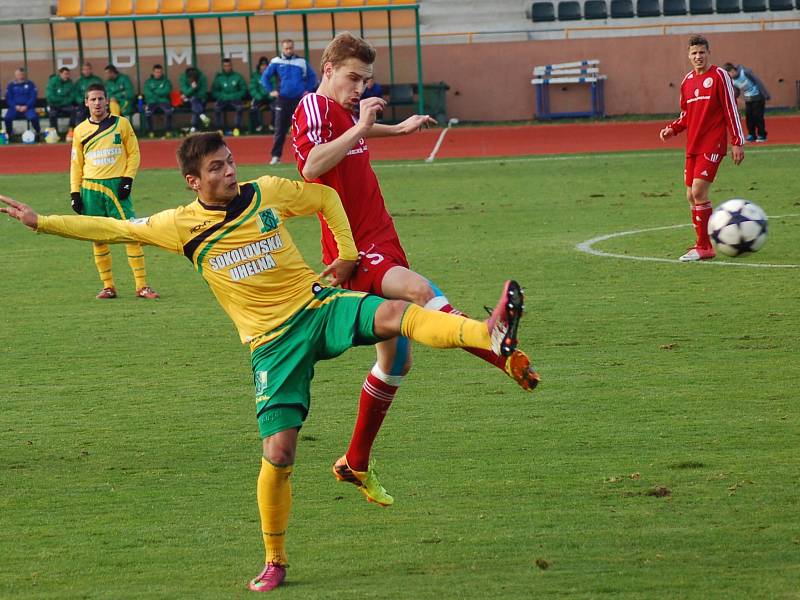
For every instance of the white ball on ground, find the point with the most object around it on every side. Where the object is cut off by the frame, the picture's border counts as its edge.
(737, 227)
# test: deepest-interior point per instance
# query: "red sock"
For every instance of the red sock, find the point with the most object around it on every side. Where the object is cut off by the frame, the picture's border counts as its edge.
(376, 398)
(487, 355)
(701, 213)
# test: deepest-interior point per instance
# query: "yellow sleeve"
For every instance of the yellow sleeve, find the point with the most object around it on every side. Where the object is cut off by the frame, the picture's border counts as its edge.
(76, 165)
(298, 198)
(158, 230)
(131, 149)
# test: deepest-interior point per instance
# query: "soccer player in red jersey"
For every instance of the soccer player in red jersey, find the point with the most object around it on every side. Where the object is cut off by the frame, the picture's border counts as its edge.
(329, 131)
(708, 114)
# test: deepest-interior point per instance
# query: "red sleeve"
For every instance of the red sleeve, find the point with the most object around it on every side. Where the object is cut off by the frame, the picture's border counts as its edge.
(679, 124)
(727, 100)
(310, 126)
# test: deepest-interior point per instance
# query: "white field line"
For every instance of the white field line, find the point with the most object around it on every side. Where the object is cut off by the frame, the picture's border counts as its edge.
(587, 247)
(546, 158)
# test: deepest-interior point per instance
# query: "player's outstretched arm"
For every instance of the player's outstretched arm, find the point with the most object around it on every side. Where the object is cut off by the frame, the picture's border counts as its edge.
(19, 211)
(411, 125)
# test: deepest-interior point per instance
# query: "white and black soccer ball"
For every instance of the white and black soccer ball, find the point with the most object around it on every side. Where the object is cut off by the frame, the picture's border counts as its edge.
(28, 137)
(738, 226)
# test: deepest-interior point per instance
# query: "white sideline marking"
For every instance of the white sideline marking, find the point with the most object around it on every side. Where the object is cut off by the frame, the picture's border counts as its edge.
(588, 249)
(386, 164)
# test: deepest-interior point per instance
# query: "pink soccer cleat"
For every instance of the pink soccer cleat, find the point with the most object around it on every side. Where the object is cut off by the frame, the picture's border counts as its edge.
(270, 578)
(504, 319)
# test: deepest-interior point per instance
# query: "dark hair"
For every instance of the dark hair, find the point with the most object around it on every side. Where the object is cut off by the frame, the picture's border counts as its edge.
(730, 67)
(226, 60)
(195, 148)
(96, 87)
(157, 67)
(698, 40)
(263, 61)
(62, 69)
(192, 74)
(345, 46)
(112, 68)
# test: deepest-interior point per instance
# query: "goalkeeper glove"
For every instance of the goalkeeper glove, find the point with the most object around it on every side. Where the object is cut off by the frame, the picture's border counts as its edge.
(76, 202)
(124, 190)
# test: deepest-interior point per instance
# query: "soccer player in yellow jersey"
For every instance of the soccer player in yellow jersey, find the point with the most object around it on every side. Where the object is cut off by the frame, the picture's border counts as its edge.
(235, 235)
(105, 159)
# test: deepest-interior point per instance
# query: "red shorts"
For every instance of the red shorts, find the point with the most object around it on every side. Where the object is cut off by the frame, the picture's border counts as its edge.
(701, 166)
(373, 264)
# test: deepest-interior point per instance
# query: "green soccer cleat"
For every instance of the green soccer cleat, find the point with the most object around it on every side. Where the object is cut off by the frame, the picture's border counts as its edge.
(366, 481)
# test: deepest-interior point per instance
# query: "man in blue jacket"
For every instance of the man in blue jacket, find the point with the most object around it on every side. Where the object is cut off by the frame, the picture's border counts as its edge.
(296, 78)
(755, 94)
(21, 99)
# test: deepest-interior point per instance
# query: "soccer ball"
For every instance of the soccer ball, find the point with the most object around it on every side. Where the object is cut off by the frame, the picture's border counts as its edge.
(28, 137)
(738, 226)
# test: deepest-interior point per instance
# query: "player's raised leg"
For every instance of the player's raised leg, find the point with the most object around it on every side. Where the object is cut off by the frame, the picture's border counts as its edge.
(405, 284)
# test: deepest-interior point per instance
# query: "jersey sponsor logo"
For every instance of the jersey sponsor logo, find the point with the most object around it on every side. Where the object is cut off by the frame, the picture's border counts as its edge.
(269, 220)
(200, 226)
(104, 156)
(248, 260)
(708, 82)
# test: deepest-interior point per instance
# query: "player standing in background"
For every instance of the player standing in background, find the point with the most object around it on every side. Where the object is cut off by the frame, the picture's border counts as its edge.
(86, 79)
(330, 148)
(105, 160)
(289, 319)
(295, 79)
(708, 114)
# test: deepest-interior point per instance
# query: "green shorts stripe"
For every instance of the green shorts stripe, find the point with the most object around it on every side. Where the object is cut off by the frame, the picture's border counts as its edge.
(283, 368)
(100, 199)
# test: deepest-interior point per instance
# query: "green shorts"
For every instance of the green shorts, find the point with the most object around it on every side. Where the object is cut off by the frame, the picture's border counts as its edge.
(283, 368)
(100, 199)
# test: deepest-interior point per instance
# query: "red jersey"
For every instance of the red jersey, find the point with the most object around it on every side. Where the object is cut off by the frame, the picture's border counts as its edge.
(318, 120)
(708, 112)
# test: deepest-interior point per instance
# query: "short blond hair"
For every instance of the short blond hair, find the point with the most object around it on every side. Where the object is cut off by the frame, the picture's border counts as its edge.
(346, 46)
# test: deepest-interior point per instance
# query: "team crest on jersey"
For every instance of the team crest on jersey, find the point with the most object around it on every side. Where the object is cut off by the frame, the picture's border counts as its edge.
(117, 138)
(269, 220)
(708, 82)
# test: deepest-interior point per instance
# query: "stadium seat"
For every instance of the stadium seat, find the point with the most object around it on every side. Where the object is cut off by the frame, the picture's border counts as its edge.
(196, 6)
(542, 11)
(728, 6)
(595, 9)
(95, 8)
(621, 9)
(274, 4)
(68, 8)
(120, 7)
(146, 7)
(701, 7)
(754, 5)
(171, 6)
(248, 5)
(674, 8)
(223, 5)
(648, 8)
(569, 10)
(780, 5)
(354, 3)
(301, 4)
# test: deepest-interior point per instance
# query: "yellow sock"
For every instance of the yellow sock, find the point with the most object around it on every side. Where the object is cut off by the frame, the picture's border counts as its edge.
(274, 503)
(102, 258)
(442, 330)
(136, 262)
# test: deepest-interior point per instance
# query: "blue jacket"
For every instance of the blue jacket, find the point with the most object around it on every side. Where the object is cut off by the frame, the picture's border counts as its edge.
(21, 93)
(295, 75)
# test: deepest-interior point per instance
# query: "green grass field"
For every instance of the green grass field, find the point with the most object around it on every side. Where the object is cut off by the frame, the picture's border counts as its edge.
(659, 458)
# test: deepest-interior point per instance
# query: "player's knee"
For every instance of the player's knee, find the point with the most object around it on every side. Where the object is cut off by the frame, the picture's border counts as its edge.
(388, 317)
(420, 292)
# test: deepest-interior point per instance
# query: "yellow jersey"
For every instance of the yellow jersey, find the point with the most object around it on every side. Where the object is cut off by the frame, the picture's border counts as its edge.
(242, 250)
(103, 150)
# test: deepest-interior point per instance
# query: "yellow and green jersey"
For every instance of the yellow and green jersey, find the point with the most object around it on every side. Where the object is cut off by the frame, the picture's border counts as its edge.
(243, 251)
(103, 150)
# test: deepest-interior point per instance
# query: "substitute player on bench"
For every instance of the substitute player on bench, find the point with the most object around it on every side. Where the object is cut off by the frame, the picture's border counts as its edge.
(708, 114)
(330, 148)
(235, 235)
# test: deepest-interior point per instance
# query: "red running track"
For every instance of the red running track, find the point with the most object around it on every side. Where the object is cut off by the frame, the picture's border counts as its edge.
(460, 142)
